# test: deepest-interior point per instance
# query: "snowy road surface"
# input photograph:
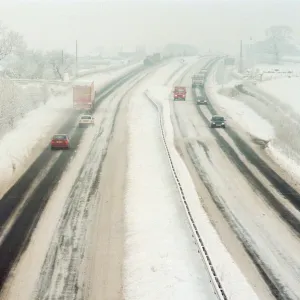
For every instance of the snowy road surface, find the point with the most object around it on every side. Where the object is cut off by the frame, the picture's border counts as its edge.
(84, 236)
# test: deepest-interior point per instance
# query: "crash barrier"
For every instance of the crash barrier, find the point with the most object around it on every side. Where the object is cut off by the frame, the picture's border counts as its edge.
(218, 289)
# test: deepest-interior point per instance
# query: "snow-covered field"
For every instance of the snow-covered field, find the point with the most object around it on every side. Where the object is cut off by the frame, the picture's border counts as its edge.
(32, 133)
(267, 72)
(286, 90)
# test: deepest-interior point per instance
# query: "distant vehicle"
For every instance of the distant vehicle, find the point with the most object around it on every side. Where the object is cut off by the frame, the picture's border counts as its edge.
(84, 96)
(179, 92)
(86, 120)
(60, 141)
(203, 71)
(201, 100)
(198, 80)
(217, 121)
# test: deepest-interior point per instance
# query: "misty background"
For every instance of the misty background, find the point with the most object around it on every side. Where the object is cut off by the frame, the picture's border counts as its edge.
(217, 25)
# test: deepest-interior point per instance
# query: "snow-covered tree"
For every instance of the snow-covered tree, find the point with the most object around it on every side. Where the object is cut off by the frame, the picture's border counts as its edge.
(60, 62)
(8, 102)
(29, 64)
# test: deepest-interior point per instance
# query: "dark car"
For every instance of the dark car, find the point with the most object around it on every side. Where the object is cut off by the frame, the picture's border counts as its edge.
(217, 121)
(60, 141)
(201, 100)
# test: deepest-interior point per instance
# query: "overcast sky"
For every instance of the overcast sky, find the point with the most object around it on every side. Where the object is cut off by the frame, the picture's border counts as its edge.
(216, 24)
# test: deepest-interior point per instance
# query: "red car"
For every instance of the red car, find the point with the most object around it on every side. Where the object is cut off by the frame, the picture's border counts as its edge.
(60, 141)
(179, 93)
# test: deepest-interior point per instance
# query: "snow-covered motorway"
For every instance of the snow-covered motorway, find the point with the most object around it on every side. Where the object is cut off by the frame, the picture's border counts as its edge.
(150, 204)
(263, 219)
(106, 221)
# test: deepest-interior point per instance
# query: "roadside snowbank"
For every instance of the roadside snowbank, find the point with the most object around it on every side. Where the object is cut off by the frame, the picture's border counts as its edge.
(32, 133)
(228, 272)
(284, 158)
(161, 259)
(240, 113)
(278, 99)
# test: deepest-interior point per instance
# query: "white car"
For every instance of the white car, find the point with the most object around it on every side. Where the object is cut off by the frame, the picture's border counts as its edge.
(86, 120)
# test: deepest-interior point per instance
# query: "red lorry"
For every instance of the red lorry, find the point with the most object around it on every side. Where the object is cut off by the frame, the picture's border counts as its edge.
(84, 95)
(179, 93)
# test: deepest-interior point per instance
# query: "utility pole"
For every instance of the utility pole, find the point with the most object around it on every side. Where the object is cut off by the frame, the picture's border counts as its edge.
(62, 63)
(241, 57)
(76, 63)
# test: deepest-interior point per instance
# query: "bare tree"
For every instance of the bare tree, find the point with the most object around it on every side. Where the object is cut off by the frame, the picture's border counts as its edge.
(10, 42)
(60, 62)
(277, 36)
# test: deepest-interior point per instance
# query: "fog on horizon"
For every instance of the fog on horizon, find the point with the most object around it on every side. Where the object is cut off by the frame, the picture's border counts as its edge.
(215, 24)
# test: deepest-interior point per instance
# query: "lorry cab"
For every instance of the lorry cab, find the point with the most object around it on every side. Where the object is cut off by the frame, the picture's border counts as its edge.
(84, 95)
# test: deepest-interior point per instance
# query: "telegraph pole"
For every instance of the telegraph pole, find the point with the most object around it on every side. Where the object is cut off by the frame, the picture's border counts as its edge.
(62, 63)
(241, 57)
(76, 63)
